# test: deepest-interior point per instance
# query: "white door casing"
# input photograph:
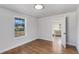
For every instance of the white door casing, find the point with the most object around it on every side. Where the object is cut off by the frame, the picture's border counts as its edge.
(63, 31)
(63, 21)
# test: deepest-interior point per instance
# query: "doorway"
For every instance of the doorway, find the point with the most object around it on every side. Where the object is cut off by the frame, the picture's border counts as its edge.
(59, 34)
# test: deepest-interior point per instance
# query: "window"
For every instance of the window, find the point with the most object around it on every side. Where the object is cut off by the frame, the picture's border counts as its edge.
(19, 27)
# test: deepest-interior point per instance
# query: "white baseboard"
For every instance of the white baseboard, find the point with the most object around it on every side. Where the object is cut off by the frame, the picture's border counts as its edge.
(16, 46)
(71, 44)
(46, 39)
(77, 50)
(30, 41)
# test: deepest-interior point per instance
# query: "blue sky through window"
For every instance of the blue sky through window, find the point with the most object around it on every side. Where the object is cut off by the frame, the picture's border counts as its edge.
(19, 21)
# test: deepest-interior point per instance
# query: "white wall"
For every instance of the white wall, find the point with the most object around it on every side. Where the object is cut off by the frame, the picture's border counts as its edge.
(7, 39)
(45, 27)
(77, 30)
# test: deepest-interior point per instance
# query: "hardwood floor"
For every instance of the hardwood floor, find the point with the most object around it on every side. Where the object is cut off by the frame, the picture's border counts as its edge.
(40, 47)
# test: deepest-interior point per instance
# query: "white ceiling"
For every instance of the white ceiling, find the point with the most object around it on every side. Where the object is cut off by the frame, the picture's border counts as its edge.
(49, 9)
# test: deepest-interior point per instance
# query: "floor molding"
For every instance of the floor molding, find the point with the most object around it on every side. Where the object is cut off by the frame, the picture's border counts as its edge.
(68, 45)
(40, 46)
(15, 46)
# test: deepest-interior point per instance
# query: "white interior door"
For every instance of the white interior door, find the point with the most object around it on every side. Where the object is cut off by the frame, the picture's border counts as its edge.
(63, 31)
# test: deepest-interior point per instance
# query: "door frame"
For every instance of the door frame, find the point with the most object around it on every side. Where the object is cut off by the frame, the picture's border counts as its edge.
(64, 41)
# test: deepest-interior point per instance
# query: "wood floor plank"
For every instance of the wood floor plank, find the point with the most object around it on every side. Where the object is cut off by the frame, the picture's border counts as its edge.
(39, 47)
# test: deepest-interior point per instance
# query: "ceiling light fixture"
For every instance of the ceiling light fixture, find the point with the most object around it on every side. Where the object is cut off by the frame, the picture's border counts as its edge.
(38, 6)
